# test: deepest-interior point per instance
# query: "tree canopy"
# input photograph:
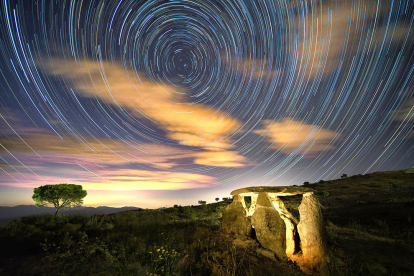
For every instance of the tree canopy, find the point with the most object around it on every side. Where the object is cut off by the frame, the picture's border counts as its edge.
(62, 196)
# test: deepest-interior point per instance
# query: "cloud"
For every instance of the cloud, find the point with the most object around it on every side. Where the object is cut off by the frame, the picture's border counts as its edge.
(323, 34)
(333, 29)
(103, 151)
(193, 125)
(117, 180)
(295, 137)
(220, 158)
(124, 179)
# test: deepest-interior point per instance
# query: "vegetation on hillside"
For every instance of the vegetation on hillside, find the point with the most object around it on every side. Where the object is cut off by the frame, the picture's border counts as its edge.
(369, 226)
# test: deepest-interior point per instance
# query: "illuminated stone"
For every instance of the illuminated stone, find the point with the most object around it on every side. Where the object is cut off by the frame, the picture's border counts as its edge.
(276, 228)
(311, 230)
(270, 228)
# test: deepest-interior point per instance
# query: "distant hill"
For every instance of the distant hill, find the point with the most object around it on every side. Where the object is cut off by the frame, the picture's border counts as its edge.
(7, 214)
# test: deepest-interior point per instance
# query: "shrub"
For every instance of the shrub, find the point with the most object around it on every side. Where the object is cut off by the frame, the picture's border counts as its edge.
(163, 261)
(187, 209)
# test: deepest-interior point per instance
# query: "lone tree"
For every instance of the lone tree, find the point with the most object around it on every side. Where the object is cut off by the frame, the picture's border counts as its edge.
(62, 196)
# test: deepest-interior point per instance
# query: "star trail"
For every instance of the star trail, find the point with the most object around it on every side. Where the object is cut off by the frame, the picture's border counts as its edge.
(154, 103)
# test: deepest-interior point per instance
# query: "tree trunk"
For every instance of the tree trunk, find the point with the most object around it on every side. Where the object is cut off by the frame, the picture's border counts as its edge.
(57, 211)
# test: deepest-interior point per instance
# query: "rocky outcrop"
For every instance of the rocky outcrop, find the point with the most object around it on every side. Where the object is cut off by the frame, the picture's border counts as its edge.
(312, 232)
(270, 228)
(234, 217)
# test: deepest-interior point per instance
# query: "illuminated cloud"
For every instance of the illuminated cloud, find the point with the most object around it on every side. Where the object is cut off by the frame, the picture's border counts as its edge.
(93, 164)
(103, 151)
(220, 158)
(194, 125)
(289, 136)
(123, 179)
(119, 180)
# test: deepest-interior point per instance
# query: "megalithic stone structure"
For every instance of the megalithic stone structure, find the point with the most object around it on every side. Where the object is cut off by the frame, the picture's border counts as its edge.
(302, 240)
(269, 226)
(236, 217)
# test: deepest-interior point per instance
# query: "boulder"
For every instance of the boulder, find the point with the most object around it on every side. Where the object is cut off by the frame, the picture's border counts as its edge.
(270, 228)
(312, 232)
(234, 217)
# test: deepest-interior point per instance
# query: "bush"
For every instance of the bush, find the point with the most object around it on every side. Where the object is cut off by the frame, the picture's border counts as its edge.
(187, 209)
(163, 261)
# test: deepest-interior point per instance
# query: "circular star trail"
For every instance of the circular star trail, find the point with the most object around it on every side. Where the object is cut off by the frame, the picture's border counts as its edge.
(220, 92)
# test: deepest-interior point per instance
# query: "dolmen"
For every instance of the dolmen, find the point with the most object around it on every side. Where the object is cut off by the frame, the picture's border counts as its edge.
(301, 239)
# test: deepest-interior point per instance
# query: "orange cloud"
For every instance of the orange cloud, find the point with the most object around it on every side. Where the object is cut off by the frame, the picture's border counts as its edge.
(219, 158)
(102, 151)
(122, 180)
(193, 125)
(291, 136)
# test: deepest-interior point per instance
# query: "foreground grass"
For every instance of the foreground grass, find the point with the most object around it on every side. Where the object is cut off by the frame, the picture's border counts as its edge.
(369, 226)
(128, 243)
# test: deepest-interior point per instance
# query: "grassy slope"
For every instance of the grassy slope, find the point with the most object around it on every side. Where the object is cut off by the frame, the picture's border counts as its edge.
(369, 225)
(371, 222)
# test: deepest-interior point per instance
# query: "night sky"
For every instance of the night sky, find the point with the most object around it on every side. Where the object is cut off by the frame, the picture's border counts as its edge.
(156, 103)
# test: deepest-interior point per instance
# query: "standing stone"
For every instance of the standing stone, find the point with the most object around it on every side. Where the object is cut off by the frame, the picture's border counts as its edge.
(292, 237)
(270, 228)
(312, 232)
(234, 217)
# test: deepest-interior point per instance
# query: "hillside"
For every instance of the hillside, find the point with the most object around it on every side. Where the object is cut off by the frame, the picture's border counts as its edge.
(369, 225)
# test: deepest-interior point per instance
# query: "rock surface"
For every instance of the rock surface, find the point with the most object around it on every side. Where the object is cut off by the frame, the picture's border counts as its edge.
(285, 190)
(312, 232)
(234, 217)
(270, 228)
(292, 237)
